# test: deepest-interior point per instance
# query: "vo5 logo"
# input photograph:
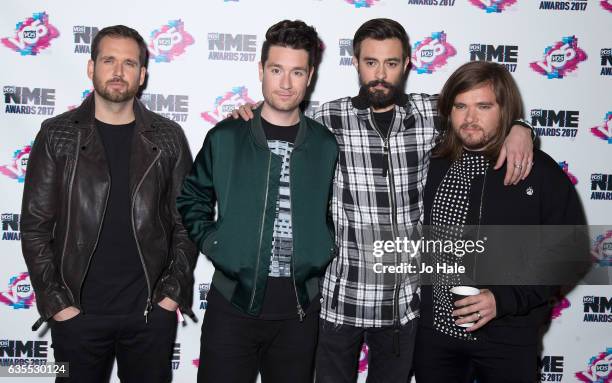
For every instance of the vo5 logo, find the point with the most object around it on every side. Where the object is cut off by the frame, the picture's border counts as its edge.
(560, 59)
(432, 53)
(32, 35)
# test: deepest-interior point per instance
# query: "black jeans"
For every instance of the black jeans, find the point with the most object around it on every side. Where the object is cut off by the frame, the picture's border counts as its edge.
(339, 349)
(234, 348)
(442, 358)
(90, 343)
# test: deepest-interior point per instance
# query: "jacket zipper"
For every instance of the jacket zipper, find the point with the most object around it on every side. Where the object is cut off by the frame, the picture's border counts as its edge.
(149, 306)
(391, 193)
(263, 216)
(76, 162)
(300, 310)
(391, 190)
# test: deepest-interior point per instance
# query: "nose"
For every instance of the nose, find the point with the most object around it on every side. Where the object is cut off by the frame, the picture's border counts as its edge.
(381, 72)
(286, 81)
(471, 115)
(118, 69)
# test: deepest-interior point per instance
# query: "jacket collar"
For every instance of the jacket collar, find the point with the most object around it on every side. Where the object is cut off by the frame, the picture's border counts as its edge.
(84, 116)
(260, 137)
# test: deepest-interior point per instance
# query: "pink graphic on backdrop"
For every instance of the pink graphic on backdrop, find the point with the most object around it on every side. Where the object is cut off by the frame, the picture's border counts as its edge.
(169, 41)
(363, 359)
(599, 369)
(196, 362)
(225, 104)
(607, 5)
(563, 304)
(362, 3)
(493, 6)
(605, 130)
(32, 35)
(560, 58)
(432, 53)
(565, 167)
(16, 169)
(84, 95)
(20, 294)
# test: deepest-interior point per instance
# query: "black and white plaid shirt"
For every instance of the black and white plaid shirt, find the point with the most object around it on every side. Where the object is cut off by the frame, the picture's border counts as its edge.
(377, 194)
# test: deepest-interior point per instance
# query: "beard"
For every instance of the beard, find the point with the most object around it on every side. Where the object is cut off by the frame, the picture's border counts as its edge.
(469, 141)
(379, 99)
(102, 88)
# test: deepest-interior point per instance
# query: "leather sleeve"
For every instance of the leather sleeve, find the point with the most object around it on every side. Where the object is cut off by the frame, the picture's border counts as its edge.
(38, 218)
(178, 281)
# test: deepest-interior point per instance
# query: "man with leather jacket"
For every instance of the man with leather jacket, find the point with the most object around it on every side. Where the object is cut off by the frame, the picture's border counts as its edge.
(109, 259)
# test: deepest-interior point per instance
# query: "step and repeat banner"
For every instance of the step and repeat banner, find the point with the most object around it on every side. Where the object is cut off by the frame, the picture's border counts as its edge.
(203, 64)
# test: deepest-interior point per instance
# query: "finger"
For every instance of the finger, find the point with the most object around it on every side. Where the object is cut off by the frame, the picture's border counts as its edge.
(466, 301)
(510, 169)
(483, 321)
(518, 167)
(234, 114)
(501, 158)
(469, 310)
(528, 166)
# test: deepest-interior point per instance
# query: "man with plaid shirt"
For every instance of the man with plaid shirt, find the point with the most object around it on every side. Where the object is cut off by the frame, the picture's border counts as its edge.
(385, 138)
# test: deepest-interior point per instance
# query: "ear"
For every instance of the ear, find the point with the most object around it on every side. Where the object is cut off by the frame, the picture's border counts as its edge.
(90, 69)
(143, 75)
(407, 64)
(312, 69)
(261, 71)
(356, 63)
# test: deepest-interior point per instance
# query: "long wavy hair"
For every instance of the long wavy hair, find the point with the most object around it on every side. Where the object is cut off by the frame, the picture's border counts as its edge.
(471, 76)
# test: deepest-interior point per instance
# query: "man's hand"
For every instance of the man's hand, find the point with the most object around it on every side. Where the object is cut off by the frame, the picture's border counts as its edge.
(244, 111)
(479, 308)
(168, 304)
(517, 152)
(65, 314)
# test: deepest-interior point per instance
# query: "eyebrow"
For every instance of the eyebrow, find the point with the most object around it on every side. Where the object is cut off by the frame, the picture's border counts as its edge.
(394, 59)
(294, 68)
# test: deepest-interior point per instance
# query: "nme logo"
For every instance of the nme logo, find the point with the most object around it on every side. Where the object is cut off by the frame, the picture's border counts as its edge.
(21, 349)
(506, 55)
(173, 106)
(23, 100)
(606, 62)
(551, 368)
(228, 47)
(597, 309)
(83, 36)
(346, 52)
(601, 186)
(10, 227)
(552, 123)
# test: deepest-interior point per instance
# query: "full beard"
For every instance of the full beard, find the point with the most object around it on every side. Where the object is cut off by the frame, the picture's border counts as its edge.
(379, 99)
(113, 95)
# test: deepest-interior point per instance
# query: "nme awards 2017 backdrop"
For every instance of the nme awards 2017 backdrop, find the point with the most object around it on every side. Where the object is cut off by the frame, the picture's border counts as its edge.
(203, 64)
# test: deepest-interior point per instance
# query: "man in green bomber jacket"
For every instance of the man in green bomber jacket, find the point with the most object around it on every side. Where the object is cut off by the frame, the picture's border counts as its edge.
(271, 180)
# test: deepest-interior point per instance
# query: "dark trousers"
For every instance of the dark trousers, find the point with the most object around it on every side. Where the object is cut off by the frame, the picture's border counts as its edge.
(339, 349)
(234, 348)
(441, 358)
(90, 343)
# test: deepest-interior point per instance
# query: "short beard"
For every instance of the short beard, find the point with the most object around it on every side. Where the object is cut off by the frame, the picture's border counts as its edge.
(378, 99)
(476, 146)
(117, 97)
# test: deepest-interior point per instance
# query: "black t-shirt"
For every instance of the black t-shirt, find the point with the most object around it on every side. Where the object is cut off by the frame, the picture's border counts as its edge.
(115, 282)
(383, 121)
